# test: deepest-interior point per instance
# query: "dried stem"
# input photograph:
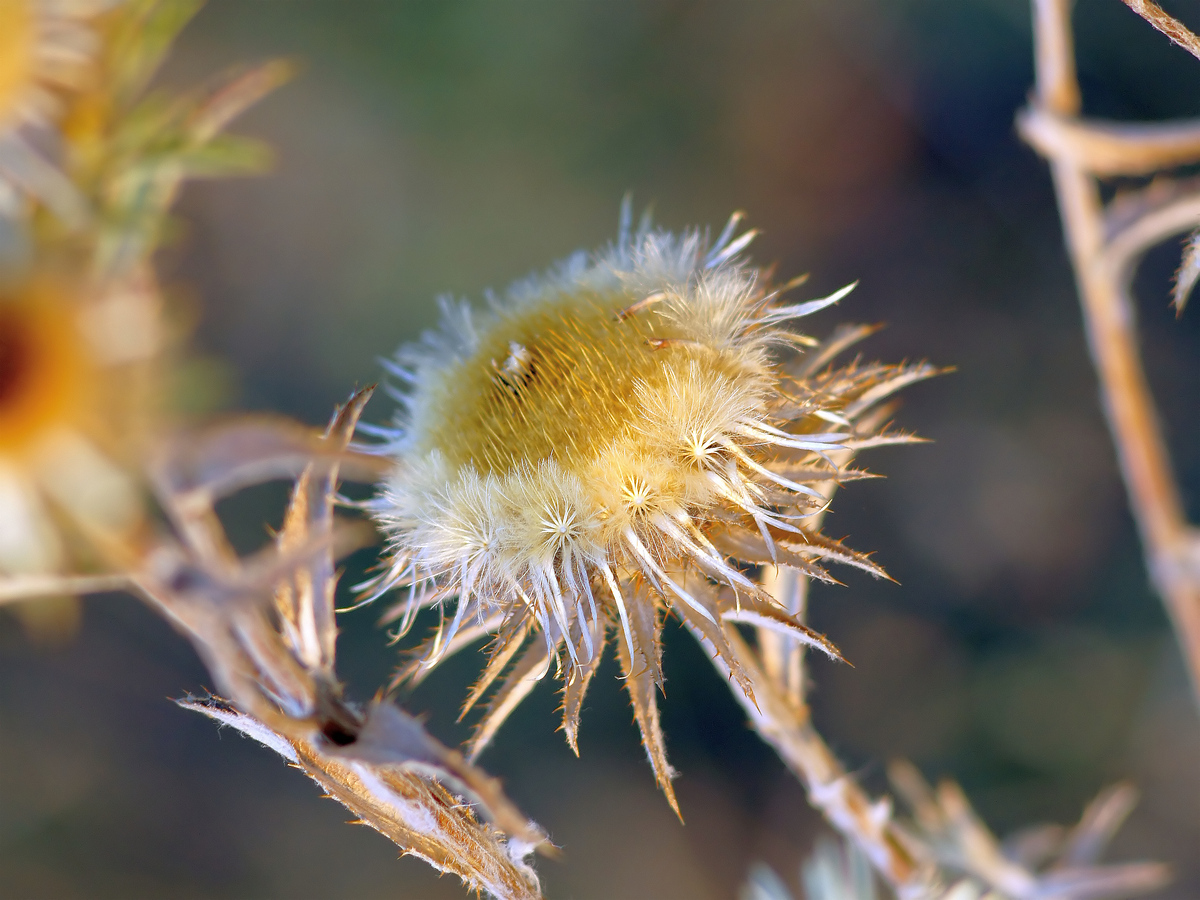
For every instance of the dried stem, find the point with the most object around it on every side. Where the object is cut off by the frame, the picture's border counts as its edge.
(945, 842)
(1112, 148)
(779, 712)
(19, 588)
(1079, 152)
(1168, 25)
(1138, 221)
(787, 728)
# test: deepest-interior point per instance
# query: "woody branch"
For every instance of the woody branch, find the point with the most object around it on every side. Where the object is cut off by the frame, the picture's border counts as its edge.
(1105, 242)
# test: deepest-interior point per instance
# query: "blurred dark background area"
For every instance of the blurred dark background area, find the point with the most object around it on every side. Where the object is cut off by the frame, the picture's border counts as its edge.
(433, 148)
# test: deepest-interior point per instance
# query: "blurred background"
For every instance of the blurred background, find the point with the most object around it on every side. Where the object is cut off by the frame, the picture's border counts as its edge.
(433, 148)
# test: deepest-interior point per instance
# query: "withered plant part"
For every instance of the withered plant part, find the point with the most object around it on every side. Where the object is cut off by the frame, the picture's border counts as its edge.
(1106, 242)
(266, 630)
(1038, 863)
(1045, 861)
(616, 442)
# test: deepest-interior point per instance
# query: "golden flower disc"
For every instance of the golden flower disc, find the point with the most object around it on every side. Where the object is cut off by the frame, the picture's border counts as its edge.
(557, 383)
(17, 42)
(42, 368)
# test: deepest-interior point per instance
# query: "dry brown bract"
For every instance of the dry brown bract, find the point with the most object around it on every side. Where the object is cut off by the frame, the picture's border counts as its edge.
(265, 627)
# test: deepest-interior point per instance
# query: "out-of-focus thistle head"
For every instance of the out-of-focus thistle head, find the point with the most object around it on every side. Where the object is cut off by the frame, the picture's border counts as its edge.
(72, 392)
(91, 160)
(624, 437)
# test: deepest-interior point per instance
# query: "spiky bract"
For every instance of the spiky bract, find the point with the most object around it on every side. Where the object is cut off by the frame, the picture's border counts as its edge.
(615, 440)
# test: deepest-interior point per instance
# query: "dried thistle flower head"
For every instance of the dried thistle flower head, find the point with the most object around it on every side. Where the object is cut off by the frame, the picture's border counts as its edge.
(618, 439)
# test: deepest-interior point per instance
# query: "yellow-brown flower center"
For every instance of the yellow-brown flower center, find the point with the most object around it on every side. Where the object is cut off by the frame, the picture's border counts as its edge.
(41, 369)
(17, 44)
(556, 382)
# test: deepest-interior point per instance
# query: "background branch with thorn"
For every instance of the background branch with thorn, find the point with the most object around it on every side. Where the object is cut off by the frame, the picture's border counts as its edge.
(1105, 242)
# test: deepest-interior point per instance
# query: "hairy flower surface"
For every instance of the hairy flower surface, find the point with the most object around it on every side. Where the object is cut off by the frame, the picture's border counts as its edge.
(623, 437)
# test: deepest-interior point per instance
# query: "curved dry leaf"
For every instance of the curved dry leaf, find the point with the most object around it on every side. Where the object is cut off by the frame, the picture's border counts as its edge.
(239, 452)
(409, 807)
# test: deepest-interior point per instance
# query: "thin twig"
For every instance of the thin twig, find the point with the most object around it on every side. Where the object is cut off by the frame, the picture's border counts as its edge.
(18, 588)
(1168, 25)
(838, 797)
(1126, 246)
